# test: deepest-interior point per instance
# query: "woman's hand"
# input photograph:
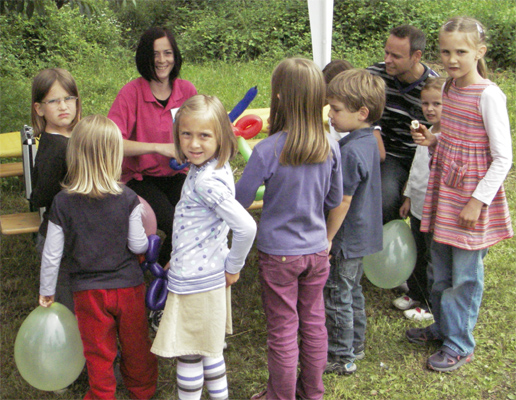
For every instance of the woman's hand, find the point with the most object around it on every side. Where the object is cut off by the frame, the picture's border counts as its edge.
(46, 301)
(133, 148)
(232, 278)
(165, 149)
(469, 215)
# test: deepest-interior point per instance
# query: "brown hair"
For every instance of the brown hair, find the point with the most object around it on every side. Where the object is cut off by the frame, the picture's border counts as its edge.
(208, 108)
(297, 100)
(41, 85)
(358, 88)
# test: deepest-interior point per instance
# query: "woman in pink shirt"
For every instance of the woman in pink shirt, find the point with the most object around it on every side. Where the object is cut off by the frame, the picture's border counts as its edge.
(144, 111)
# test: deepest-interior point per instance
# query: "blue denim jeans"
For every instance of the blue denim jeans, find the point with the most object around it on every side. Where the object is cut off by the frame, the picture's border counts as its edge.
(395, 172)
(345, 309)
(292, 297)
(456, 295)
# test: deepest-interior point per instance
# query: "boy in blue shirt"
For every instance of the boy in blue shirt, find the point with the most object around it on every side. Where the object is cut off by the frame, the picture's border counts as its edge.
(356, 100)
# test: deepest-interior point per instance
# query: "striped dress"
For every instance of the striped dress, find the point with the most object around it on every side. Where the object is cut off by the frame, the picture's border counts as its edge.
(460, 161)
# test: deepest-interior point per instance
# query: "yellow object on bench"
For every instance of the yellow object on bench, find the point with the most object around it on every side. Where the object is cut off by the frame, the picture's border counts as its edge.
(11, 169)
(10, 145)
(14, 224)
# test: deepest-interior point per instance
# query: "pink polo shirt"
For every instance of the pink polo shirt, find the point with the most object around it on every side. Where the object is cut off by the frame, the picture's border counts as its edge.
(142, 118)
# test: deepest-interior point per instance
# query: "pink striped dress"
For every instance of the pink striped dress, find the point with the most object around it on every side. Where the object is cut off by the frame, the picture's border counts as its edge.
(460, 160)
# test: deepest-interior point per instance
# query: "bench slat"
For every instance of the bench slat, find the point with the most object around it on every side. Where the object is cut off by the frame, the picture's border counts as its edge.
(14, 224)
(11, 169)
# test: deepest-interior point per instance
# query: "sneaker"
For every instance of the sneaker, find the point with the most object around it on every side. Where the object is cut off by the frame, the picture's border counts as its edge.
(155, 318)
(340, 368)
(421, 335)
(446, 360)
(418, 314)
(360, 355)
(404, 303)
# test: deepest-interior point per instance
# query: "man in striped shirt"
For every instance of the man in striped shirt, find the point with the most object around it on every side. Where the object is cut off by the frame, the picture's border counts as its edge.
(404, 77)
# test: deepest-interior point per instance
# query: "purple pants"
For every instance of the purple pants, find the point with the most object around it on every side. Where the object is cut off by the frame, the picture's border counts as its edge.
(292, 296)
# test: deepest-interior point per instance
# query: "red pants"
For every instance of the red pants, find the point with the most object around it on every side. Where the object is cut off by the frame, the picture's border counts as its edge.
(101, 315)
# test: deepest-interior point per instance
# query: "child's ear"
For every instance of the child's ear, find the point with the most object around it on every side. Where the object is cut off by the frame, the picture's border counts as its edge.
(39, 110)
(481, 52)
(363, 113)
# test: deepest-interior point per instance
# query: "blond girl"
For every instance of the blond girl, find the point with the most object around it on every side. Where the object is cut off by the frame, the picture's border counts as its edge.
(95, 225)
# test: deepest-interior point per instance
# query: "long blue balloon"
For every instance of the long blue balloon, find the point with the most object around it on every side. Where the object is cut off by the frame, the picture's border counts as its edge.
(243, 104)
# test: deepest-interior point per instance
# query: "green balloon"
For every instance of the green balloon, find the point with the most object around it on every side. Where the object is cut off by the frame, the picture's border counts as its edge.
(246, 152)
(48, 348)
(393, 265)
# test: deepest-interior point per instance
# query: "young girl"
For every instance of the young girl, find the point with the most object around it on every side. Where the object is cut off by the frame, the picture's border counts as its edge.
(300, 166)
(415, 191)
(194, 320)
(56, 109)
(95, 225)
(465, 204)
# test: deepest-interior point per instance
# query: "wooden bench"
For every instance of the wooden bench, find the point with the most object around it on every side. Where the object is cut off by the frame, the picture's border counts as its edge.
(15, 224)
(19, 144)
(11, 169)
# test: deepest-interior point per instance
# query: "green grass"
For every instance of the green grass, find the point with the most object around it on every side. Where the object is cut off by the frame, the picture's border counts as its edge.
(392, 369)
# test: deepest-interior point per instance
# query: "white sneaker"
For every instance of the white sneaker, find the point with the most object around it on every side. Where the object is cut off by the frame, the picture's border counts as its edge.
(404, 303)
(418, 314)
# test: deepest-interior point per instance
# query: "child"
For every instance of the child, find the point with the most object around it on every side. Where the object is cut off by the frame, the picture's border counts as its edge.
(96, 225)
(56, 109)
(300, 166)
(330, 71)
(465, 205)
(418, 282)
(202, 267)
(356, 100)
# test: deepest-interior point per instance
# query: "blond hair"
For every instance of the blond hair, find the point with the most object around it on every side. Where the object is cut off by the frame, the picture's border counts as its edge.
(208, 108)
(94, 157)
(41, 85)
(475, 36)
(433, 82)
(297, 100)
(357, 88)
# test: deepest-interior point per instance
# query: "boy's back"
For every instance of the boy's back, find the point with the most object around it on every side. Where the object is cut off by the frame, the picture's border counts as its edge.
(361, 233)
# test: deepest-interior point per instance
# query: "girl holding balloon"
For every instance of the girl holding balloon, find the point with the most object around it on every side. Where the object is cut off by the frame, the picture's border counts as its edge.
(95, 223)
(202, 268)
(465, 205)
(300, 166)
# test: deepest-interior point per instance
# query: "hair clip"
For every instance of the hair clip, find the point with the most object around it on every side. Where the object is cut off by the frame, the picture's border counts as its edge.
(479, 28)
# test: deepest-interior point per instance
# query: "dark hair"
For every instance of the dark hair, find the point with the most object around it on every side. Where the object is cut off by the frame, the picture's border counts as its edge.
(335, 67)
(415, 36)
(145, 54)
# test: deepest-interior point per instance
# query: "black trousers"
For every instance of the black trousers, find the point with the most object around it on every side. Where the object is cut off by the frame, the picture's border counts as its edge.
(162, 194)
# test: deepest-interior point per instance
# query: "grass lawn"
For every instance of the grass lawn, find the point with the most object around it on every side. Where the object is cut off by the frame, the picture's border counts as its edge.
(392, 369)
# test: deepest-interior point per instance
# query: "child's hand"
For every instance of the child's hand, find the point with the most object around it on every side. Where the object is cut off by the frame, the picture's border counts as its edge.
(469, 215)
(46, 301)
(232, 278)
(405, 208)
(423, 137)
(167, 266)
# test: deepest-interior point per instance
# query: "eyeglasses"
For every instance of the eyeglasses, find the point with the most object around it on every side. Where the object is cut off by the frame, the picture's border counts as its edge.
(69, 101)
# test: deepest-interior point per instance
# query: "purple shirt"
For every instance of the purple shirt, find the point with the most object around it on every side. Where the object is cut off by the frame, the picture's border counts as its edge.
(292, 220)
(142, 118)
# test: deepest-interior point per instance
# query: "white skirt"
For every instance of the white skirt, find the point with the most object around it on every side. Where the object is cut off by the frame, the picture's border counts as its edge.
(194, 324)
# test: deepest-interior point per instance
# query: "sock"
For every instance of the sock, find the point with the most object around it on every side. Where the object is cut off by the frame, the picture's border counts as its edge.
(215, 377)
(190, 377)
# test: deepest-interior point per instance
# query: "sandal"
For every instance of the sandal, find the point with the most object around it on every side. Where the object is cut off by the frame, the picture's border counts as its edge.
(446, 360)
(260, 396)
